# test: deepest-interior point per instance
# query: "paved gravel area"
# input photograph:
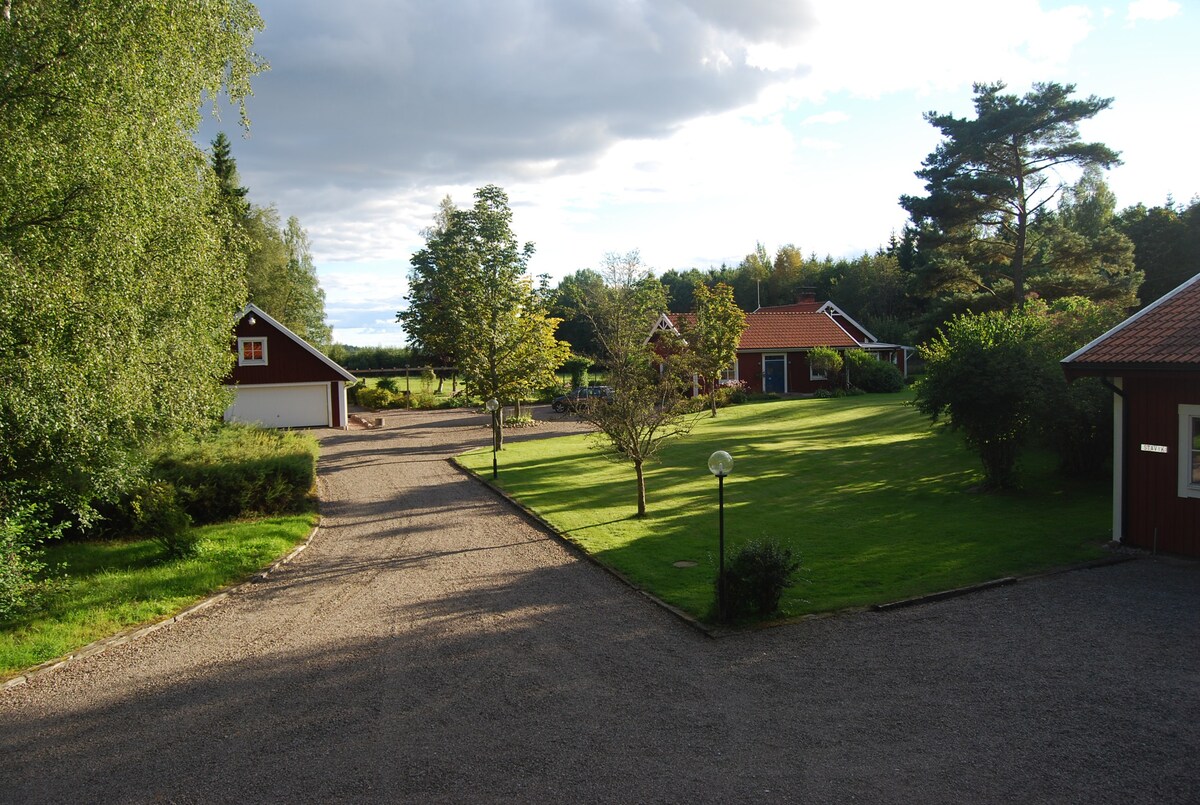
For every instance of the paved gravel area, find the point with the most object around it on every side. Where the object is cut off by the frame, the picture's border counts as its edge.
(432, 646)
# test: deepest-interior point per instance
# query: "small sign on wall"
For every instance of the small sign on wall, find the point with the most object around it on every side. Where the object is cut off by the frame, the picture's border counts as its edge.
(1154, 448)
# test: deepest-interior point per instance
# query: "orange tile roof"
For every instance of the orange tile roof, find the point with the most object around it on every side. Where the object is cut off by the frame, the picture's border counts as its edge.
(1165, 334)
(786, 329)
(793, 330)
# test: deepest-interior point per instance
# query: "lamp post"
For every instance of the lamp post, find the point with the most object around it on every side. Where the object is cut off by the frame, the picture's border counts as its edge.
(492, 406)
(720, 464)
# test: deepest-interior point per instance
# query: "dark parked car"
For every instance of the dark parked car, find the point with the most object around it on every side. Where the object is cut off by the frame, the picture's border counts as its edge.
(576, 397)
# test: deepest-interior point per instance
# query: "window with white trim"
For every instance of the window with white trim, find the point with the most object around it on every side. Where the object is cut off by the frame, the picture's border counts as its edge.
(252, 352)
(729, 374)
(1189, 451)
(813, 374)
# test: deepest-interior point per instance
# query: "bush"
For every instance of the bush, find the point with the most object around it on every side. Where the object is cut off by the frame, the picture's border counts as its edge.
(825, 360)
(387, 384)
(376, 398)
(239, 471)
(353, 390)
(422, 399)
(21, 532)
(876, 377)
(738, 392)
(522, 421)
(154, 512)
(756, 577)
(578, 368)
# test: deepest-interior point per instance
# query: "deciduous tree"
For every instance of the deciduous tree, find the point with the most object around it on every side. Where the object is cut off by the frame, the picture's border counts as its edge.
(712, 334)
(470, 297)
(117, 293)
(645, 410)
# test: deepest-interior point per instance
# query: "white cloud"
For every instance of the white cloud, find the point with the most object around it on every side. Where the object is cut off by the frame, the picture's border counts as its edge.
(682, 127)
(826, 118)
(1152, 10)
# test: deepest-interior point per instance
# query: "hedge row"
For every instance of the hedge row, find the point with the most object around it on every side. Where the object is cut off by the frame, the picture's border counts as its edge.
(239, 471)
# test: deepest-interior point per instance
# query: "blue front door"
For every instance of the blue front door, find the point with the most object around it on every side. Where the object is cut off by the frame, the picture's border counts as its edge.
(775, 374)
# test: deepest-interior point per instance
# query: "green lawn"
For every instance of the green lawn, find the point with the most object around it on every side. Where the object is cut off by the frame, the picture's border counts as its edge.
(879, 505)
(109, 586)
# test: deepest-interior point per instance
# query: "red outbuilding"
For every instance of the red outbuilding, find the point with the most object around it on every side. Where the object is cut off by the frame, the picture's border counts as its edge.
(282, 381)
(1151, 361)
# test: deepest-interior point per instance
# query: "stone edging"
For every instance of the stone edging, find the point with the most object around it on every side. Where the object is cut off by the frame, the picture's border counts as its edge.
(138, 632)
(540, 523)
(724, 631)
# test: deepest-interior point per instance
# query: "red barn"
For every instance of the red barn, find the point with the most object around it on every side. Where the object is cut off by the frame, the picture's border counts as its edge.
(772, 355)
(1151, 361)
(282, 381)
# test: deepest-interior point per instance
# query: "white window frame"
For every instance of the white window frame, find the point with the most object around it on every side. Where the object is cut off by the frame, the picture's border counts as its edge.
(813, 374)
(1188, 416)
(730, 373)
(243, 360)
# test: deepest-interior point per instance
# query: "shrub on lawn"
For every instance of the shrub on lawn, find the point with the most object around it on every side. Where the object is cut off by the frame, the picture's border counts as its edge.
(756, 577)
(239, 471)
(21, 532)
(739, 392)
(155, 513)
(871, 375)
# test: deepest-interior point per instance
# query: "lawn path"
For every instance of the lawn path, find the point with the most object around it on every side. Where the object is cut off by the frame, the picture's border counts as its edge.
(432, 646)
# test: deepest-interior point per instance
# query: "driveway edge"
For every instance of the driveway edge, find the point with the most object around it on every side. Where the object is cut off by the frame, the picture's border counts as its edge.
(138, 632)
(723, 631)
(541, 524)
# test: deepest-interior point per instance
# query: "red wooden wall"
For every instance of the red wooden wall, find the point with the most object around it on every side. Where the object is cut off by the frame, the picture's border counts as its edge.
(1152, 499)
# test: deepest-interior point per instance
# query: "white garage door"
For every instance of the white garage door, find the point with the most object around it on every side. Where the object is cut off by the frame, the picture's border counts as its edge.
(281, 406)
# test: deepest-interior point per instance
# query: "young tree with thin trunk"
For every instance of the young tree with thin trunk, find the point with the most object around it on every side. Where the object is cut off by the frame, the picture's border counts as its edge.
(646, 408)
(712, 335)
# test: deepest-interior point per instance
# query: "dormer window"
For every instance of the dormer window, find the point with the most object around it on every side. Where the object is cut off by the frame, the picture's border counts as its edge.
(252, 352)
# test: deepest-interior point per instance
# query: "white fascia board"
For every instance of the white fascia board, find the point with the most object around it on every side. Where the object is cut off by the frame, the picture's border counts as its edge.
(828, 306)
(663, 322)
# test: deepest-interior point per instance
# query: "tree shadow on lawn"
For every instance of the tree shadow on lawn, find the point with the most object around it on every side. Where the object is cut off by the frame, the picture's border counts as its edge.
(892, 512)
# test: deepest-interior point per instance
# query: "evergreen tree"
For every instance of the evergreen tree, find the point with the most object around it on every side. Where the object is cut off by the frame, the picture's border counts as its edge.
(991, 176)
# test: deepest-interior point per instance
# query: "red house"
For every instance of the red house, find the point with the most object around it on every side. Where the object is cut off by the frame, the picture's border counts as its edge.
(282, 381)
(772, 355)
(1151, 361)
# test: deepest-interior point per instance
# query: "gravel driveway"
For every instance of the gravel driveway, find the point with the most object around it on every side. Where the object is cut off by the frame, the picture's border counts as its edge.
(432, 646)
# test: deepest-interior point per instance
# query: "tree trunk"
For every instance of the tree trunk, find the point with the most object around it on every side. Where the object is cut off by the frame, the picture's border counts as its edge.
(1018, 263)
(641, 489)
(712, 397)
(517, 408)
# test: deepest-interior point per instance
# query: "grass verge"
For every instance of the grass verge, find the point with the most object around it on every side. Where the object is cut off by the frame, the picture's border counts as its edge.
(113, 585)
(879, 505)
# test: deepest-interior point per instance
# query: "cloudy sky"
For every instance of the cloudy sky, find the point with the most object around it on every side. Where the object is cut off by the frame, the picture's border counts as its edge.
(688, 129)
